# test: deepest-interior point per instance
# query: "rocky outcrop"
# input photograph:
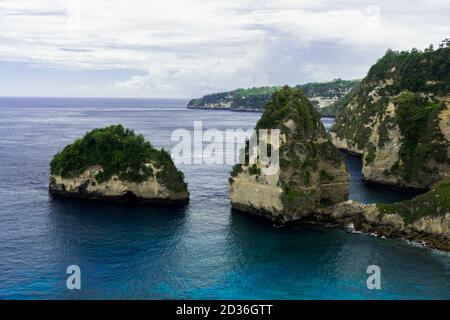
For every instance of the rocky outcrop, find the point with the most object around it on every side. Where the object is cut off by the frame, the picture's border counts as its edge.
(114, 164)
(425, 218)
(344, 145)
(311, 172)
(85, 185)
(398, 120)
(433, 231)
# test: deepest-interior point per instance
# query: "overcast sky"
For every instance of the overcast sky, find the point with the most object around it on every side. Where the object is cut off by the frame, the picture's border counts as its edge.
(187, 48)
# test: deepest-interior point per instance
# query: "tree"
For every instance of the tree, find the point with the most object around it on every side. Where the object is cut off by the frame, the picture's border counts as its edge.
(445, 43)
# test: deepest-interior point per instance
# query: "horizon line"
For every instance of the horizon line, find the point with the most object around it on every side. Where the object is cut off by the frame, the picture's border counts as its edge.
(97, 97)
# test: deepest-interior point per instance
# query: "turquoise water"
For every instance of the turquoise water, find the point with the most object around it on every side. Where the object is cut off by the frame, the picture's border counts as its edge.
(202, 251)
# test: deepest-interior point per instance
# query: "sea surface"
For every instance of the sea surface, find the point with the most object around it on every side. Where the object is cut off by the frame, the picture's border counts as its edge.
(201, 251)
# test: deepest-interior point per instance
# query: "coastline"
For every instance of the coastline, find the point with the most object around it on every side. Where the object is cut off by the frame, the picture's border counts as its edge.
(352, 225)
(227, 109)
(240, 110)
(202, 238)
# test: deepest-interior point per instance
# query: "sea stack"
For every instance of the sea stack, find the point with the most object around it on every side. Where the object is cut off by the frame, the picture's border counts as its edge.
(398, 120)
(311, 174)
(115, 164)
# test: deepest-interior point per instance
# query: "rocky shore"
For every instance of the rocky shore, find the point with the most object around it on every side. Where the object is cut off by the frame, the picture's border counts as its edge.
(433, 231)
(114, 189)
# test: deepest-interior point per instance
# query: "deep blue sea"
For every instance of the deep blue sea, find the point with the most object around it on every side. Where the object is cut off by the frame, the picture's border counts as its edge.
(202, 251)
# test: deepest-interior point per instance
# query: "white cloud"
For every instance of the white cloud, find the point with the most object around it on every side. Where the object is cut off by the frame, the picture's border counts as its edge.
(191, 47)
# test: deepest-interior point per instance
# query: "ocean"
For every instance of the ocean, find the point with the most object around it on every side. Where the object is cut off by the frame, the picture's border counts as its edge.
(201, 251)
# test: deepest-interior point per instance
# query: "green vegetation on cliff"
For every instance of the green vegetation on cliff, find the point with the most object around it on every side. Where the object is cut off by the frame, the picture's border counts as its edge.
(332, 109)
(257, 98)
(336, 88)
(289, 103)
(120, 152)
(253, 98)
(421, 139)
(415, 70)
(435, 202)
(307, 158)
(424, 72)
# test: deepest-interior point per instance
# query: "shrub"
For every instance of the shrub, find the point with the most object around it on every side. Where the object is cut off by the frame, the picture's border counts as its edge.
(435, 202)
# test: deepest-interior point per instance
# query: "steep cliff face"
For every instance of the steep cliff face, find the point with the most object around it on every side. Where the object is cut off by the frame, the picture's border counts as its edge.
(311, 173)
(425, 218)
(257, 193)
(398, 120)
(409, 146)
(115, 164)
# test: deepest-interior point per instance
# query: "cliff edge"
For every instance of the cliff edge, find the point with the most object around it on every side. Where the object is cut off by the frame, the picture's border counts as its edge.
(398, 119)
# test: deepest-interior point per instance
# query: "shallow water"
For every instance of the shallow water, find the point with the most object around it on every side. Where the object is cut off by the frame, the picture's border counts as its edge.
(202, 251)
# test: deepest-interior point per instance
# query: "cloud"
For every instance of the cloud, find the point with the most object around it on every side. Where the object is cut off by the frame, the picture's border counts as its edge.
(192, 47)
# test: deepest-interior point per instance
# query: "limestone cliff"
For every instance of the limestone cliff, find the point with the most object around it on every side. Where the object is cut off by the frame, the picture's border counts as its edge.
(85, 185)
(410, 143)
(397, 120)
(311, 172)
(425, 218)
(115, 164)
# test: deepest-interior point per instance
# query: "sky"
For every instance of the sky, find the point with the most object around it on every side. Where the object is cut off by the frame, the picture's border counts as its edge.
(188, 48)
